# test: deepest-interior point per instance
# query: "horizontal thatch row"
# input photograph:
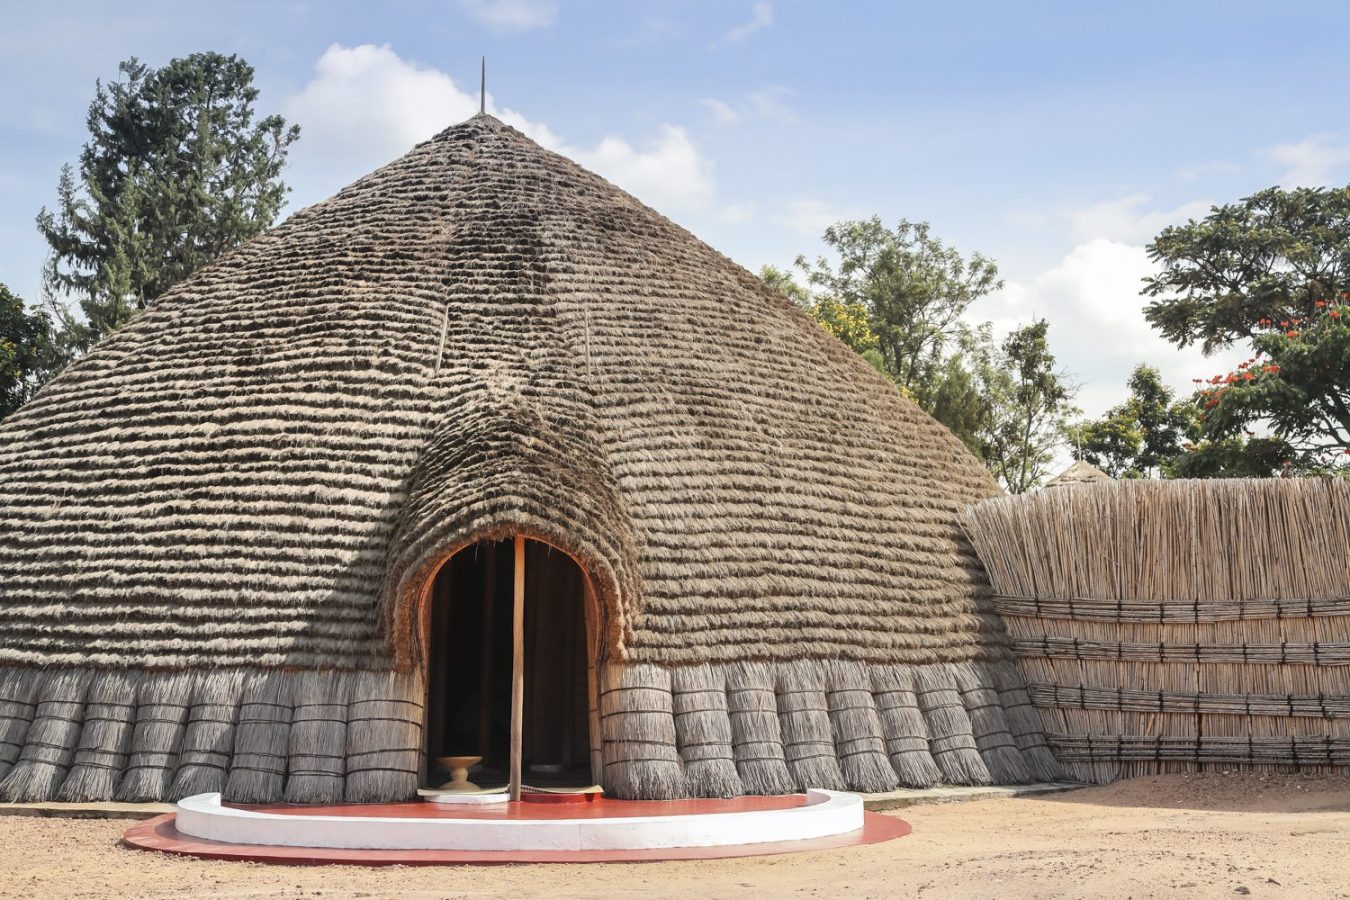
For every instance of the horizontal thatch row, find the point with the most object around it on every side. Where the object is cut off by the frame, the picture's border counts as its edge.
(1198, 611)
(1122, 700)
(479, 339)
(772, 728)
(81, 735)
(1314, 654)
(1297, 750)
(1174, 626)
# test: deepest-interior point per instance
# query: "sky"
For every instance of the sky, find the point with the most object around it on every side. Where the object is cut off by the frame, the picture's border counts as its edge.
(1055, 137)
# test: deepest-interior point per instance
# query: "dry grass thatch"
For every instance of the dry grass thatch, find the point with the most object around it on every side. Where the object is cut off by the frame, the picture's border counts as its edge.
(521, 347)
(770, 529)
(384, 737)
(698, 731)
(1170, 626)
(835, 724)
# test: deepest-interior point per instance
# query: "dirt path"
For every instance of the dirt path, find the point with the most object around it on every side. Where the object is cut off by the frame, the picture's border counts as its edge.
(1174, 836)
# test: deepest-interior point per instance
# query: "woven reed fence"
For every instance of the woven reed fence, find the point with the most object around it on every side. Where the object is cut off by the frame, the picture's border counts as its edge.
(1179, 625)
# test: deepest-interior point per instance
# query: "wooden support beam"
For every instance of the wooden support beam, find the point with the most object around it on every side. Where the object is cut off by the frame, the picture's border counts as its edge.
(593, 684)
(518, 668)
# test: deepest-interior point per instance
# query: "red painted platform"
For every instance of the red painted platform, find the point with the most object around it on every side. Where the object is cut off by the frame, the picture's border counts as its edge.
(160, 834)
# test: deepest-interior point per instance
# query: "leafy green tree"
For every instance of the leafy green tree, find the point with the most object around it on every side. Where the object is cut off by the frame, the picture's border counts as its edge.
(1271, 272)
(959, 390)
(846, 321)
(898, 297)
(784, 283)
(1142, 437)
(1030, 403)
(26, 352)
(177, 171)
(913, 288)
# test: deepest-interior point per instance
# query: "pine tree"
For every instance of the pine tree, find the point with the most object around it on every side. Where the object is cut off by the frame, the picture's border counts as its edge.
(176, 172)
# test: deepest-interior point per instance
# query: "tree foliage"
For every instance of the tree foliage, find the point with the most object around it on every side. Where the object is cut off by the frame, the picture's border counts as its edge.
(846, 321)
(1273, 272)
(1030, 403)
(899, 298)
(1143, 437)
(177, 170)
(26, 351)
(913, 288)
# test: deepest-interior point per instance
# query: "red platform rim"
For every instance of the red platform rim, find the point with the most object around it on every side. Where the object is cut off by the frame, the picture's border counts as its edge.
(159, 834)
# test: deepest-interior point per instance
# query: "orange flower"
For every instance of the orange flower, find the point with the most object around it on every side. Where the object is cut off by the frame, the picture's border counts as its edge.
(1320, 303)
(1291, 334)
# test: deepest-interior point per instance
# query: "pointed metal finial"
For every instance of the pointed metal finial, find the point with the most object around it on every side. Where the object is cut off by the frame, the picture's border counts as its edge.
(482, 89)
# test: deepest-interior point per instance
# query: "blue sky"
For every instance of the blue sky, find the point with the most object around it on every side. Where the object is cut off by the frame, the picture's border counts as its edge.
(1056, 138)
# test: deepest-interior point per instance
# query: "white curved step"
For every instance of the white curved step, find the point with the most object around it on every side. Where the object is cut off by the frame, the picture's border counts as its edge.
(825, 814)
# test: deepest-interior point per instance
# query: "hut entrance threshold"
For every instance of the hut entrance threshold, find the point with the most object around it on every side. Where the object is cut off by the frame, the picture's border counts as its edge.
(510, 672)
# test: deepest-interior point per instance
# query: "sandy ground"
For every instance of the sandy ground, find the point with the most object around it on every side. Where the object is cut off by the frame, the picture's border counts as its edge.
(1173, 836)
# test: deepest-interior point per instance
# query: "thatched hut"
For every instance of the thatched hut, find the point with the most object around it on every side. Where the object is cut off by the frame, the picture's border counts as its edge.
(1081, 472)
(275, 536)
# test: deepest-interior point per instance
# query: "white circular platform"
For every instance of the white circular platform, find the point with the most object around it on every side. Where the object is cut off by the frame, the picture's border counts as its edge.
(824, 814)
(464, 798)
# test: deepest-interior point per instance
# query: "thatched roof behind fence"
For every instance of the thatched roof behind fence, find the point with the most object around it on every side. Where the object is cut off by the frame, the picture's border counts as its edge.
(478, 339)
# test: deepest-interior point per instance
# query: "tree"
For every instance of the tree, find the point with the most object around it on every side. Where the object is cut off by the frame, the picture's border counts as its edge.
(26, 352)
(1143, 437)
(913, 288)
(962, 391)
(1273, 272)
(846, 321)
(898, 298)
(176, 172)
(1030, 403)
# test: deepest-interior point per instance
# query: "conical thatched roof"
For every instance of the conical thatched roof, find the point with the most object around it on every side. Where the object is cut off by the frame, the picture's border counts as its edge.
(477, 339)
(1081, 472)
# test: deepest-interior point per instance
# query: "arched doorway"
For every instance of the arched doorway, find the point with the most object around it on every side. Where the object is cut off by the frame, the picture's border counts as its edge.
(471, 662)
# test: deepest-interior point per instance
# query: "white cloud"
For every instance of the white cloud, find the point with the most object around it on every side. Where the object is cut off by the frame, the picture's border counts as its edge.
(366, 106)
(1126, 219)
(761, 17)
(812, 217)
(511, 15)
(770, 104)
(1097, 327)
(670, 172)
(1312, 162)
(723, 113)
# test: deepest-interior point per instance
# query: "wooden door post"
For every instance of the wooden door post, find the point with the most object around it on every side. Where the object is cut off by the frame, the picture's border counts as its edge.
(518, 668)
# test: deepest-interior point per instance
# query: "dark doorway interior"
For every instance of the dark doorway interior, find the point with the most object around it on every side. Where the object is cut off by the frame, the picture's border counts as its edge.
(469, 668)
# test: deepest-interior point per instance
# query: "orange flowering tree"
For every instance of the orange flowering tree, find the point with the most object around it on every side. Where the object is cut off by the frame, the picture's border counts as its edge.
(1271, 273)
